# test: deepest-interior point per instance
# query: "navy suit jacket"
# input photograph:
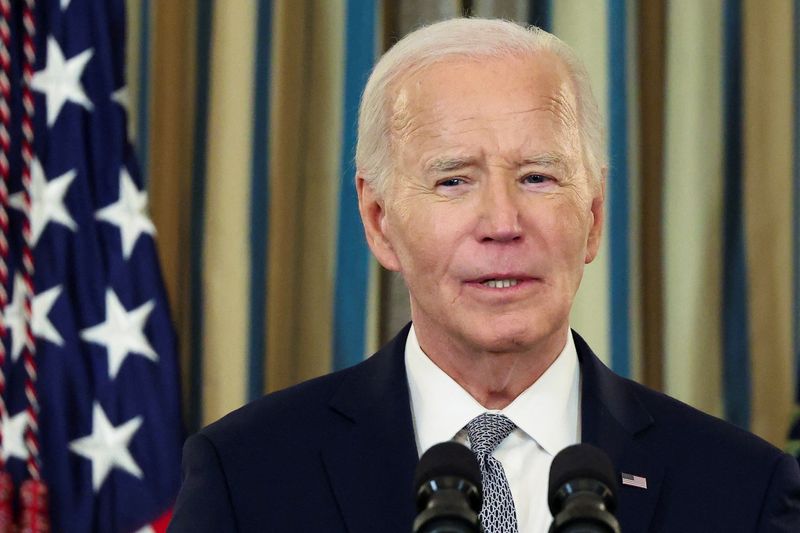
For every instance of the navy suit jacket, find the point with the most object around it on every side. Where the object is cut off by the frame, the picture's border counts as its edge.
(338, 453)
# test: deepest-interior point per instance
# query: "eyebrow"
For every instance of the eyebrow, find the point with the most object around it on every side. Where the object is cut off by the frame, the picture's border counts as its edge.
(546, 159)
(450, 164)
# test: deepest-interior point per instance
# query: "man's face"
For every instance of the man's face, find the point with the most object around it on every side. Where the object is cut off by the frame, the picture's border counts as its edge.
(490, 215)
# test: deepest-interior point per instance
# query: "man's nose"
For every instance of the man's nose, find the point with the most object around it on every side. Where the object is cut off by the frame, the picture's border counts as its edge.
(499, 212)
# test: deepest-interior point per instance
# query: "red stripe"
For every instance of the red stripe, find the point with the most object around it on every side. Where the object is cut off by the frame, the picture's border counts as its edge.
(161, 523)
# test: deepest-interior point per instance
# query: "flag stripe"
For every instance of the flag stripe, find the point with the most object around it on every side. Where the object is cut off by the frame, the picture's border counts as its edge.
(143, 107)
(618, 188)
(205, 9)
(259, 205)
(352, 260)
(735, 337)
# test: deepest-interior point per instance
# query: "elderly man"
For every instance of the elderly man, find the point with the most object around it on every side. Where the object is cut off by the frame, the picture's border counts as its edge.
(481, 180)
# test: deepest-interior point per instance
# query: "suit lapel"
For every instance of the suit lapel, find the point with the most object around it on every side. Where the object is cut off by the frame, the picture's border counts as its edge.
(371, 452)
(614, 420)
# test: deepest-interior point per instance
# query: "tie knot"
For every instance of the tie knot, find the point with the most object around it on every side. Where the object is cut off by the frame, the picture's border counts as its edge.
(487, 431)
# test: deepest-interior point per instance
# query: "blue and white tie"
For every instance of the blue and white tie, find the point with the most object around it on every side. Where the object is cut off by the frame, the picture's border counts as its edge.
(485, 433)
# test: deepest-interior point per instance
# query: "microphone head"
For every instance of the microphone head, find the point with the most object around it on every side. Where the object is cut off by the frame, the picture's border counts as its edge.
(448, 459)
(447, 489)
(580, 461)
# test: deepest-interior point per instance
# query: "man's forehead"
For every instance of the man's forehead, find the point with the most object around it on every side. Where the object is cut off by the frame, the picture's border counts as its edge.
(540, 81)
(451, 106)
(543, 69)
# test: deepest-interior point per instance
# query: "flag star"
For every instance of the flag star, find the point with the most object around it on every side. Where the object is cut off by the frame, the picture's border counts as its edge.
(128, 213)
(60, 80)
(121, 332)
(121, 97)
(13, 429)
(40, 309)
(65, 4)
(47, 200)
(40, 323)
(107, 446)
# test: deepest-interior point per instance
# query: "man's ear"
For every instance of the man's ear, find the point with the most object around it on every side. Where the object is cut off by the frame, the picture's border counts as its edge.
(598, 216)
(373, 215)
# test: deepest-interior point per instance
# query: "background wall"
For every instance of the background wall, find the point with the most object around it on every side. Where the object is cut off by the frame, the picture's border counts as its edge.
(246, 122)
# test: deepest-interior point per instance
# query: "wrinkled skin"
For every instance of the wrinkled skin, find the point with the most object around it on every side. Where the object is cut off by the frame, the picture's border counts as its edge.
(489, 183)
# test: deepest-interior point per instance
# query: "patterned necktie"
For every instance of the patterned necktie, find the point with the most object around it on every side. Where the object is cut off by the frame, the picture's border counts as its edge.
(485, 433)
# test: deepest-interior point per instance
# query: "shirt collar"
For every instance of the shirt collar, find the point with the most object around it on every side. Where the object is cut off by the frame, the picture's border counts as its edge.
(548, 410)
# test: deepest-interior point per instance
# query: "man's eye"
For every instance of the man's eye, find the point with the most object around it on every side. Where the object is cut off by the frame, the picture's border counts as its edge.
(535, 178)
(451, 182)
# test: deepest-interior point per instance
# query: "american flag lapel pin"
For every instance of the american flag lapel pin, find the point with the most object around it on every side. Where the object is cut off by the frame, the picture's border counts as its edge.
(634, 481)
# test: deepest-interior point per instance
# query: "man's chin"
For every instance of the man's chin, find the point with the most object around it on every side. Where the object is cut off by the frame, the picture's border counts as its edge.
(504, 342)
(509, 339)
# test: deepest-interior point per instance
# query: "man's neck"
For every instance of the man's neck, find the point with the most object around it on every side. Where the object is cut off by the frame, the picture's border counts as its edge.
(494, 379)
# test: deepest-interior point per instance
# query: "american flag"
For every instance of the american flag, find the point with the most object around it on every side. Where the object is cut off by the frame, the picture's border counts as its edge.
(103, 360)
(634, 481)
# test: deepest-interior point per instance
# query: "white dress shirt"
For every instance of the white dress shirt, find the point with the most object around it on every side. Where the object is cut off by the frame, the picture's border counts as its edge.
(546, 415)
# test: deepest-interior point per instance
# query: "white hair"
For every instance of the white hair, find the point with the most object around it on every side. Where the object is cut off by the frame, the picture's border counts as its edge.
(470, 38)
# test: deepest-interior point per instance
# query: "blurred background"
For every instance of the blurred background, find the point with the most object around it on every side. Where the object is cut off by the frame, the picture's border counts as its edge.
(244, 118)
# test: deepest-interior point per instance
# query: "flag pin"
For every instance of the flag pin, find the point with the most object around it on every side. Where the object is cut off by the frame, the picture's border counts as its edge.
(634, 481)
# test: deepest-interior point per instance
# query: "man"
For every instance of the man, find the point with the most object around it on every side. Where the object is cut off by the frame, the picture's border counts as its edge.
(481, 178)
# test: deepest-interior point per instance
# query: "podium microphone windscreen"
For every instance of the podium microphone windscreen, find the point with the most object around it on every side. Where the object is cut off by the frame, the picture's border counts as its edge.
(447, 488)
(582, 492)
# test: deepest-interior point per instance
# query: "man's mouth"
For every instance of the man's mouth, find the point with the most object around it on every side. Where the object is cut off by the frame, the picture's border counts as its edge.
(499, 283)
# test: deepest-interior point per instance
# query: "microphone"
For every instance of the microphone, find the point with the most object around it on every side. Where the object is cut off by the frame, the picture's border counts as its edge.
(583, 491)
(448, 490)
